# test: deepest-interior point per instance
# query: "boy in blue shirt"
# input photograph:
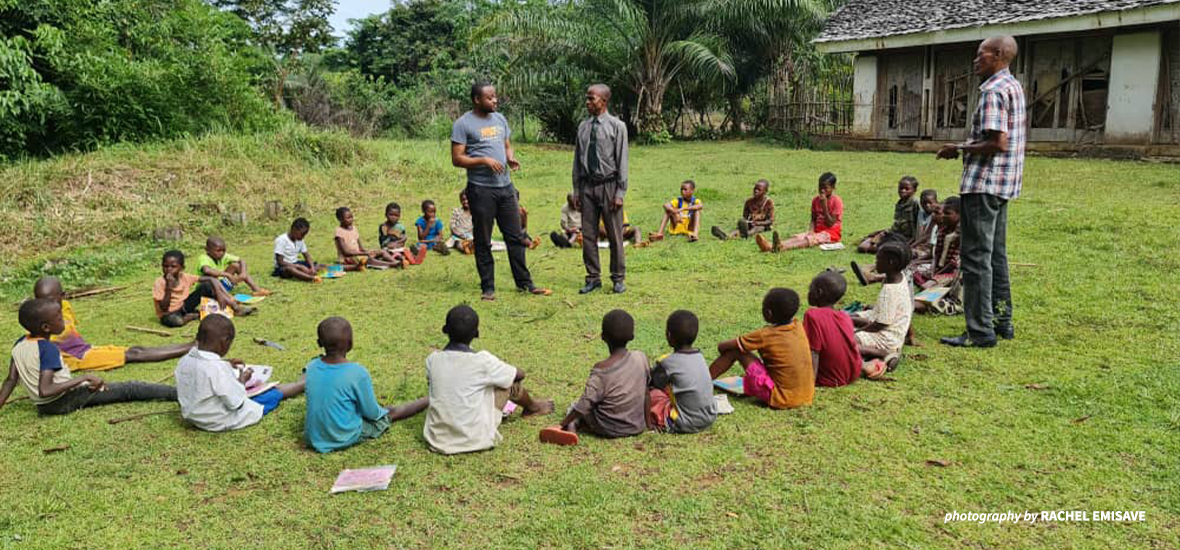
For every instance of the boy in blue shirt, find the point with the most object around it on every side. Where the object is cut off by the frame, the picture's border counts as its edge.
(342, 408)
(430, 229)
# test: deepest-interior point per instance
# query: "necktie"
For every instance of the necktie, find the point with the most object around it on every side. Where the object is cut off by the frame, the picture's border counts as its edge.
(592, 152)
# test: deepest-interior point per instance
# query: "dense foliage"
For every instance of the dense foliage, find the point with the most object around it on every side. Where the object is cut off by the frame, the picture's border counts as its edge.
(77, 74)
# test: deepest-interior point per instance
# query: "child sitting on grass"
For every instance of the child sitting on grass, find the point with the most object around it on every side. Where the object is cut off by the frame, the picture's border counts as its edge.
(470, 390)
(230, 270)
(943, 265)
(757, 214)
(79, 354)
(681, 389)
(351, 252)
(827, 217)
(462, 228)
(835, 359)
(38, 365)
(614, 403)
(430, 229)
(881, 331)
(529, 241)
(927, 225)
(682, 215)
(905, 216)
(342, 409)
(177, 301)
(288, 248)
(391, 235)
(571, 225)
(211, 389)
(782, 377)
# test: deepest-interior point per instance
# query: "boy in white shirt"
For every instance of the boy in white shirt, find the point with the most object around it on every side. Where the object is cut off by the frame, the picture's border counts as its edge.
(470, 391)
(212, 393)
(288, 248)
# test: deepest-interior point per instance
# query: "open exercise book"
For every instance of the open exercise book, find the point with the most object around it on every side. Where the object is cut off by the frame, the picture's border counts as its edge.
(260, 380)
(363, 480)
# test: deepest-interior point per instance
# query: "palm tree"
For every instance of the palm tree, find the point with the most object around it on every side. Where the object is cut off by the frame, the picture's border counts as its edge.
(767, 36)
(641, 45)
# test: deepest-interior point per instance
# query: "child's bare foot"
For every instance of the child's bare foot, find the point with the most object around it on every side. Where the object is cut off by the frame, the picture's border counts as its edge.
(540, 407)
(655, 237)
(262, 292)
(244, 311)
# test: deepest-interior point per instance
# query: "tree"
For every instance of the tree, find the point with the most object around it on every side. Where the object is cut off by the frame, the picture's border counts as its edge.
(641, 45)
(287, 29)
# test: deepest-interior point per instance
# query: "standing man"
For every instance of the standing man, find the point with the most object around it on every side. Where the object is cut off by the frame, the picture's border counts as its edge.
(479, 143)
(600, 183)
(993, 165)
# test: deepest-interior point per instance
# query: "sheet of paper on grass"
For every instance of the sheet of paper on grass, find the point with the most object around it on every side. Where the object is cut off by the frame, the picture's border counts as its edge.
(365, 479)
(730, 384)
(831, 246)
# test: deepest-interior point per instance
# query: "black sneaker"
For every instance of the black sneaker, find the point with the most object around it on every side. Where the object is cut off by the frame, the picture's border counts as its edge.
(559, 240)
(744, 228)
(860, 276)
(965, 341)
(719, 233)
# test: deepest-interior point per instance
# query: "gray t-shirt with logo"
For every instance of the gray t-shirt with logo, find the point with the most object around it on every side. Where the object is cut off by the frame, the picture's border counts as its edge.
(688, 376)
(484, 137)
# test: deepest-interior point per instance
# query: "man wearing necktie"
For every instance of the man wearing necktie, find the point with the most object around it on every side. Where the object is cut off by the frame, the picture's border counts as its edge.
(600, 183)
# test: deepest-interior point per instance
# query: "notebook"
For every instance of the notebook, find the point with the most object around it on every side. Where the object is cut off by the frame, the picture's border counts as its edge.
(364, 480)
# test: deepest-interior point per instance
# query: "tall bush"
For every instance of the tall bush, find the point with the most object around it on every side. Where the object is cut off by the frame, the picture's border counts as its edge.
(82, 73)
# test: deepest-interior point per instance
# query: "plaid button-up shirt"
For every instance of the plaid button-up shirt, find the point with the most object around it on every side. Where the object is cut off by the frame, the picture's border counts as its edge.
(1000, 109)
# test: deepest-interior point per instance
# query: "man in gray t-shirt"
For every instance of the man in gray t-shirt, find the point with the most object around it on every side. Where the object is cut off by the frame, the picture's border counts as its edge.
(480, 143)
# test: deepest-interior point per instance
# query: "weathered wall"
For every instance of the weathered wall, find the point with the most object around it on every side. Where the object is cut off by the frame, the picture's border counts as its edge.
(1134, 77)
(864, 91)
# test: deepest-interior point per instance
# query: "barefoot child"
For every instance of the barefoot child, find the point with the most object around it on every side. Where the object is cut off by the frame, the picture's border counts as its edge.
(782, 377)
(38, 365)
(351, 252)
(462, 227)
(827, 217)
(682, 215)
(905, 216)
(881, 331)
(78, 354)
(430, 229)
(288, 248)
(230, 270)
(529, 241)
(212, 390)
(391, 235)
(681, 392)
(571, 225)
(470, 391)
(835, 359)
(178, 301)
(614, 402)
(342, 409)
(757, 214)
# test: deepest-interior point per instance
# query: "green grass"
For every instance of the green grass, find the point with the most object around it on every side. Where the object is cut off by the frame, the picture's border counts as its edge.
(1096, 318)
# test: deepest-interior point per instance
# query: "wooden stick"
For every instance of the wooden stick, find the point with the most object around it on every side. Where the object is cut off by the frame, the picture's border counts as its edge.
(1018, 264)
(94, 291)
(149, 331)
(138, 416)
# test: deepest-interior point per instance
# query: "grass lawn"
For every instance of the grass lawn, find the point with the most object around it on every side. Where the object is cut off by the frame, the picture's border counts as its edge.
(1080, 412)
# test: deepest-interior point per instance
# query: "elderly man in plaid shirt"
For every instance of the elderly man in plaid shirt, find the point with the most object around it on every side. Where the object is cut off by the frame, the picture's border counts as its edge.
(993, 163)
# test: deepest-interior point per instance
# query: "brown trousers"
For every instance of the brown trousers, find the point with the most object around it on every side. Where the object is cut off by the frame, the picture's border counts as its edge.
(598, 202)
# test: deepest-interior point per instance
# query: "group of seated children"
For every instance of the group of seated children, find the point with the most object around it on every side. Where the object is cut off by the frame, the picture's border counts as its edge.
(930, 231)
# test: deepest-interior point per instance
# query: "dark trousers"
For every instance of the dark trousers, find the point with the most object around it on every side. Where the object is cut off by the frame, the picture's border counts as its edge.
(598, 202)
(192, 304)
(490, 206)
(987, 292)
(115, 392)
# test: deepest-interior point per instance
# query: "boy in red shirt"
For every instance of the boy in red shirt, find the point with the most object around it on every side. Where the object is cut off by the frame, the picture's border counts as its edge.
(827, 217)
(835, 358)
